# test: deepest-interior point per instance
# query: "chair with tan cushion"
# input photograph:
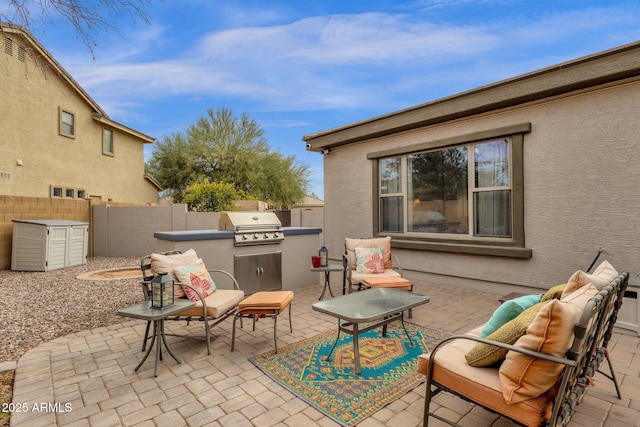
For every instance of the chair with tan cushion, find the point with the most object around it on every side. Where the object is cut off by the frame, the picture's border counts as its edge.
(376, 261)
(213, 305)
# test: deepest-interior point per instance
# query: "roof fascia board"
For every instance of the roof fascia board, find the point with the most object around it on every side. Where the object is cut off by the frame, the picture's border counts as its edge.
(123, 128)
(152, 180)
(583, 73)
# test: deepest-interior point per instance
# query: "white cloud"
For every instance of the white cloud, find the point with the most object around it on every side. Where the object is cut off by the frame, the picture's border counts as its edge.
(337, 40)
(336, 61)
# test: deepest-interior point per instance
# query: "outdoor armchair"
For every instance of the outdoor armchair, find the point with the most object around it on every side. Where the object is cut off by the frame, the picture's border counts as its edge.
(368, 258)
(212, 306)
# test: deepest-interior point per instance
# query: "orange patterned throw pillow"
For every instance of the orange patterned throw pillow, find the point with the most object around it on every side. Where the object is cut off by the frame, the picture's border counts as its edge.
(369, 260)
(196, 275)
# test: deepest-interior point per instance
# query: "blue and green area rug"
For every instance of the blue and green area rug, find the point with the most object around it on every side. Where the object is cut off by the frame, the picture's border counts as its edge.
(389, 370)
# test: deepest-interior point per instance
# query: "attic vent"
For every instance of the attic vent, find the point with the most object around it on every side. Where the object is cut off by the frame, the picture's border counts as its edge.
(6, 176)
(8, 46)
(22, 54)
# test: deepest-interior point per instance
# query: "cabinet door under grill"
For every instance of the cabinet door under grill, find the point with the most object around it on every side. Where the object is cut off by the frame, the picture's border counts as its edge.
(258, 272)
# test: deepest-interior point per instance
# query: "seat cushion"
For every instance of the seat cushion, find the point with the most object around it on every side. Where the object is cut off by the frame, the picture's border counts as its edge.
(266, 302)
(218, 303)
(482, 385)
(357, 277)
(382, 242)
(388, 282)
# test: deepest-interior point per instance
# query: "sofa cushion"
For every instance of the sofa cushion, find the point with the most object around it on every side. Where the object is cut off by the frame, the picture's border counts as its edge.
(369, 260)
(524, 377)
(507, 311)
(382, 242)
(166, 263)
(196, 275)
(482, 354)
(554, 293)
(601, 277)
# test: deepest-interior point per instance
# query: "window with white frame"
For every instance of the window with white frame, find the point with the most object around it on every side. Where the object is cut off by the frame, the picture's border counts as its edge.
(56, 192)
(459, 191)
(67, 123)
(59, 192)
(107, 141)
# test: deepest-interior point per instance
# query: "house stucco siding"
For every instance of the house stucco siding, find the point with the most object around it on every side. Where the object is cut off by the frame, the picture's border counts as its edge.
(581, 173)
(35, 155)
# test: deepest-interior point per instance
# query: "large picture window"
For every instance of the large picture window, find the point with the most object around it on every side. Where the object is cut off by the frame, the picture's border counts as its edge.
(459, 194)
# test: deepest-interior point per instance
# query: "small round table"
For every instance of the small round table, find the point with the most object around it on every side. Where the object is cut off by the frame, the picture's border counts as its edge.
(327, 269)
(144, 311)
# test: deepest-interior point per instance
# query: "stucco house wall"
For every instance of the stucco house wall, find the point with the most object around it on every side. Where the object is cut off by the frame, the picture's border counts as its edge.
(35, 156)
(580, 165)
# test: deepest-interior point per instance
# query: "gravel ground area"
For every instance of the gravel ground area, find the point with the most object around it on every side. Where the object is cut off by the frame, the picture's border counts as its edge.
(37, 307)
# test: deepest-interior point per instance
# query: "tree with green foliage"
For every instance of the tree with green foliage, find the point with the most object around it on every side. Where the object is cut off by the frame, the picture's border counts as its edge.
(207, 196)
(224, 148)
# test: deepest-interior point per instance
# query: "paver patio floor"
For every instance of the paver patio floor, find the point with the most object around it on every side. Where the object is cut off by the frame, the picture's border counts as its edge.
(93, 372)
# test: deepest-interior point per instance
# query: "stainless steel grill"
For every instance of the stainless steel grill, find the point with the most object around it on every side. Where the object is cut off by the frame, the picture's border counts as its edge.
(252, 228)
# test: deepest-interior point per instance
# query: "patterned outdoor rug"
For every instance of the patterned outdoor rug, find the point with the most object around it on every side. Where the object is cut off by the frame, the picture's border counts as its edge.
(388, 370)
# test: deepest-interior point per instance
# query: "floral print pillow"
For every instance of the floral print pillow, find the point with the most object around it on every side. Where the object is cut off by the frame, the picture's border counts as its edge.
(369, 260)
(196, 275)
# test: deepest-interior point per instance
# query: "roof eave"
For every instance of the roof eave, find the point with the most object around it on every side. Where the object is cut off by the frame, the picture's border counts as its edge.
(105, 120)
(152, 180)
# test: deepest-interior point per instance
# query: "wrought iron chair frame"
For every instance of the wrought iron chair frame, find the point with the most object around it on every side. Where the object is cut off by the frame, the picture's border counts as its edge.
(209, 322)
(588, 350)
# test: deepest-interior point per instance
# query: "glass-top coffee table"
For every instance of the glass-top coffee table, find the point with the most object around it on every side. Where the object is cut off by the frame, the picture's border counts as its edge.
(374, 307)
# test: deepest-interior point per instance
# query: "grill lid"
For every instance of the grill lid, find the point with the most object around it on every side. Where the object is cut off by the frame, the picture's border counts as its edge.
(252, 228)
(248, 221)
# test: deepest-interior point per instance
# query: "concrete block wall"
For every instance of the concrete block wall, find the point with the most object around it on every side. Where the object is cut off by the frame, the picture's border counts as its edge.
(129, 230)
(202, 220)
(117, 229)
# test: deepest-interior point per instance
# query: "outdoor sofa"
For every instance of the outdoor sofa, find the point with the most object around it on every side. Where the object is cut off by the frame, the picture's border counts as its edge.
(532, 360)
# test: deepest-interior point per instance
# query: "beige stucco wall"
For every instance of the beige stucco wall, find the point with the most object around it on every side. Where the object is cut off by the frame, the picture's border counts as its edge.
(581, 177)
(31, 98)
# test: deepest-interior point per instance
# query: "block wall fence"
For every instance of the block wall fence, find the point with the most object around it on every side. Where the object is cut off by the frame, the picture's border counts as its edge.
(117, 229)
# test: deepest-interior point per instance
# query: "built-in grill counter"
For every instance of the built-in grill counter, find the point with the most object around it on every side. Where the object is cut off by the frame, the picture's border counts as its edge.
(261, 253)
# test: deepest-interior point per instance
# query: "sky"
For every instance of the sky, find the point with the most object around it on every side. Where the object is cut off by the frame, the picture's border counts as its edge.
(301, 67)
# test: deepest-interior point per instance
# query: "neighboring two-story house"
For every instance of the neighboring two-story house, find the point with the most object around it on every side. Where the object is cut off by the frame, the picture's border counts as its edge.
(60, 153)
(520, 182)
(55, 139)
